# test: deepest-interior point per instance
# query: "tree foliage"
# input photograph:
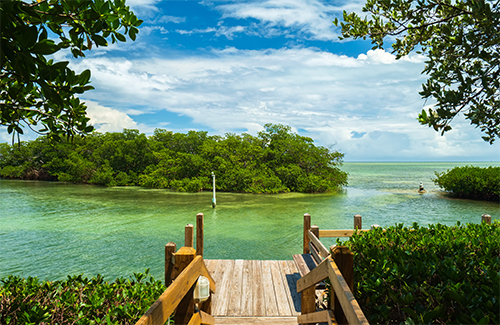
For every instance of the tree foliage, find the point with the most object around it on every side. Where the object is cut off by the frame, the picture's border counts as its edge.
(471, 182)
(276, 160)
(77, 299)
(461, 40)
(34, 88)
(428, 275)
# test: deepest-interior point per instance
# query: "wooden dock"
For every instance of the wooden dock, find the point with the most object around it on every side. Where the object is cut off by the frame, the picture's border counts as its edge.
(255, 292)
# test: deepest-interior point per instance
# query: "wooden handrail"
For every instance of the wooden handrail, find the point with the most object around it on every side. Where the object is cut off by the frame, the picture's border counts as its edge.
(328, 269)
(166, 304)
(339, 232)
(201, 318)
(319, 245)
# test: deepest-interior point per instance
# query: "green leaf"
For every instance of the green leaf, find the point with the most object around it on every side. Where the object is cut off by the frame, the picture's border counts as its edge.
(45, 47)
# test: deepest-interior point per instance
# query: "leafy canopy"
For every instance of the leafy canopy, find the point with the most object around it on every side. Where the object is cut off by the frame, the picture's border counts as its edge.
(461, 40)
(35, 89)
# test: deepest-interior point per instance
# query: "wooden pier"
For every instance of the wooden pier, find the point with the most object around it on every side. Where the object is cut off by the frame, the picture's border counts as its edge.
(254, 292)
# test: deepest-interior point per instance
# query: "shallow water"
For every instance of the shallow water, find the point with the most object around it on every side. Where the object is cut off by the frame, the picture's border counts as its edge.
(51, 230)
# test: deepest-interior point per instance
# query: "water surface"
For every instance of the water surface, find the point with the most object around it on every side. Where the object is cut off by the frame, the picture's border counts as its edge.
(50, 229)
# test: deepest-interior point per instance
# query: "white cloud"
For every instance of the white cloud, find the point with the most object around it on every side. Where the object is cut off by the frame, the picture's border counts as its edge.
(312, 18)
(326, 94)
(105, 119)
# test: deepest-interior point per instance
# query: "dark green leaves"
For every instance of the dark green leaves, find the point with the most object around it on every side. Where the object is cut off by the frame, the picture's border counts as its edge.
(77, 300)
(428, 275)
(36, 91)
(461, 42)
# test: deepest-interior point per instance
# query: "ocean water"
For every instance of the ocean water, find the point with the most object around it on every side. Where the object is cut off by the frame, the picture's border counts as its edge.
(51, 229)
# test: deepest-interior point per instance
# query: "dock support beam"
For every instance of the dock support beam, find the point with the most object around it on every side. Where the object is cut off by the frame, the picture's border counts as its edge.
(199, 234)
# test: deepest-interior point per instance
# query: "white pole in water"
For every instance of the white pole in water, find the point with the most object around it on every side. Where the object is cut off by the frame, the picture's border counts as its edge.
(213, 200)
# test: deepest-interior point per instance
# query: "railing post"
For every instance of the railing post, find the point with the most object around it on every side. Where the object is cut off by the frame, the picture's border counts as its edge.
(343, 257)
(486, 218)
(170, 249)
(199, 234)
(188, 235)
(308, 296)
(185, 309)
(315, 230)
(307, 226)
(357, 221)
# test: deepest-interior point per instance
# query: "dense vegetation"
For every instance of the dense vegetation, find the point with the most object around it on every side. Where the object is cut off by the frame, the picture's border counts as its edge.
(276, 160)
(434, 275)
(77, 300)
(471, 182)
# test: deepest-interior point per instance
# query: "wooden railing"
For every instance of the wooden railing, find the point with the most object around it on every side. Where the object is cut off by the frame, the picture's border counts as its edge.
(335, 264)
(182, 270)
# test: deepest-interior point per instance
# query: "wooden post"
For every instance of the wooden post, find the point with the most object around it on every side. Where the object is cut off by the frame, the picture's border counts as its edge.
(343, 257)
(357, 221)
(307, 226)
(199, 234)
(170, 249)
(486, 218)
(188, 235)
(308, 296)
(185, 309)
(315, 230)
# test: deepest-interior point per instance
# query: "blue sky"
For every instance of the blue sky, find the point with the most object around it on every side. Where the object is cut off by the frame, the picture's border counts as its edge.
(233, 66)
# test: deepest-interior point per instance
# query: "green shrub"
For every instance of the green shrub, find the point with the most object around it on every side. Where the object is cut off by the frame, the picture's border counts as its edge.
(77, 300)
(471, 182)
(435, 275)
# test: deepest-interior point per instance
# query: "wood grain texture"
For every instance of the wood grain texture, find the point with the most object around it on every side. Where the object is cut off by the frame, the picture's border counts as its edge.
(279, 290)
(256, 320)
(235, 292)
(246, 289)
(258, 301)
(269, 294)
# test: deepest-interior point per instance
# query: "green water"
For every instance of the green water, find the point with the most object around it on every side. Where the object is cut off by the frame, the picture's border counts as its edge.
(51, 230)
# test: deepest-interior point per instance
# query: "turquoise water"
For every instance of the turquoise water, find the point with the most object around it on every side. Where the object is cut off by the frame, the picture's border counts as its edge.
(51, 230)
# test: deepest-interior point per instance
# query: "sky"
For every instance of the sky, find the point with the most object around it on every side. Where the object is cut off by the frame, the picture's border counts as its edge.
(233, 66)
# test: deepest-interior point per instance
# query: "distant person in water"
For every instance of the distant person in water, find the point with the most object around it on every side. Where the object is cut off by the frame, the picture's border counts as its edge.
(421, 187)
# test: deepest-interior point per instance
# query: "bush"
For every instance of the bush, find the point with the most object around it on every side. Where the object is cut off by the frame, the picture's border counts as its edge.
(435, 275)
(77, 300)
(471, 182)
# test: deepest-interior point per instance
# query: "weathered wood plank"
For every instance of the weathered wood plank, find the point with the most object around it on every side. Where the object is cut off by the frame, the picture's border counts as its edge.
(163, 307)
(322, 250)
(256, 320)
(235, 289)
(292, 279)
(338, 233)
(324, 316)
(226, 270)
(287, 277)
(246, 288)
(279, 290)
(350, 306)
(258, 301)
(269, 293)
(318, 274)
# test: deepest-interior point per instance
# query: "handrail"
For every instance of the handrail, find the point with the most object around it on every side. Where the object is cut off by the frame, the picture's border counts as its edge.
(328, 269)
(166, 304)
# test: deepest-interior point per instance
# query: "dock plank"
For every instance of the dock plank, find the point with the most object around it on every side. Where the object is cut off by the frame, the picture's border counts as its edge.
(269, 293)
(258, 302)
(292, 277)
(246, 289)
(253, 289)
(235, 294)
(279, 289)
(223, 288)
